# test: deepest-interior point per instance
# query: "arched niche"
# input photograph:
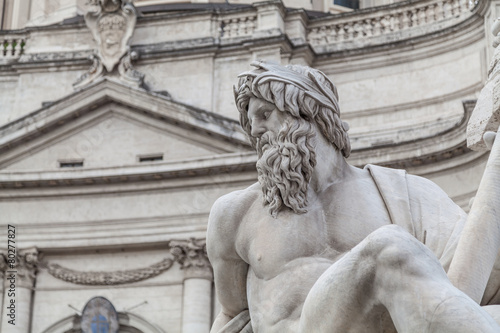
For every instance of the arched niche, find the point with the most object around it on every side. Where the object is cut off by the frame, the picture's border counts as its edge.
(127, 322)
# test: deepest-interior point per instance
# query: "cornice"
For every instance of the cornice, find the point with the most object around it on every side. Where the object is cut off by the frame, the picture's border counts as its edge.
(222, 164)
(430, 150)
(104, 91)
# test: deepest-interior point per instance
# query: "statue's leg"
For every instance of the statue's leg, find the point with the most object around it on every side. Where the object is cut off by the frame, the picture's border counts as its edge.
(391, 272)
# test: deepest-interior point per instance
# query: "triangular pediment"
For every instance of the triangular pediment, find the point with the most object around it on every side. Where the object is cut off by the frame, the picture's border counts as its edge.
(112, 125)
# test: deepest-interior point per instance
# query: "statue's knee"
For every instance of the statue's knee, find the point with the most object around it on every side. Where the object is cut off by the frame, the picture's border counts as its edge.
(390, 246)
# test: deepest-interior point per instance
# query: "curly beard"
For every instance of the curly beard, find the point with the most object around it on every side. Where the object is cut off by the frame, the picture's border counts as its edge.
(285, 166)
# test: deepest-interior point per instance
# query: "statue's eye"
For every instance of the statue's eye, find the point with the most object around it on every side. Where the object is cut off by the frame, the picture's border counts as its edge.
(266, 114)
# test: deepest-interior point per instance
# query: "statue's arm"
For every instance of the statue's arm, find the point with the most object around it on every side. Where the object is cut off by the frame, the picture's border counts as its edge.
(230, 271)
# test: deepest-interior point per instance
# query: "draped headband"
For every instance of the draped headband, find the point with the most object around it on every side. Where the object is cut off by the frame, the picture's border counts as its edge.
(310, 83)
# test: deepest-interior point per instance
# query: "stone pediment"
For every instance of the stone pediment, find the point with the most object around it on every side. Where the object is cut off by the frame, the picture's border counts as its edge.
(110, 125)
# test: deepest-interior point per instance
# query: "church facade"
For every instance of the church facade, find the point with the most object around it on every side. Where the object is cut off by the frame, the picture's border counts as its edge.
(118, 131)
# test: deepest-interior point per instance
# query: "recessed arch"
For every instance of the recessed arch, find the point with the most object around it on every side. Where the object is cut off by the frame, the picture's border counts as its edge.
(129, 323)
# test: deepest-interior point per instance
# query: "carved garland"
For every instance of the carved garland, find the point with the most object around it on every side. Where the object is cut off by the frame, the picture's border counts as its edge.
(190, 254)
(108, 278)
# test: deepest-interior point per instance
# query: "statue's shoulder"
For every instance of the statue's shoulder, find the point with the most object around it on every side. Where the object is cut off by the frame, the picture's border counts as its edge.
(232, 207)
(225, 218)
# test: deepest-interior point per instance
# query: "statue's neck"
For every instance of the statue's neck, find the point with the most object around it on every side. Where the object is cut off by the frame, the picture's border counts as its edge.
(331, 167)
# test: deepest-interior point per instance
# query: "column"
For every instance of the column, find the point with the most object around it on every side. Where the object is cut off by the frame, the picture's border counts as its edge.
(18, 291)
(197, 297)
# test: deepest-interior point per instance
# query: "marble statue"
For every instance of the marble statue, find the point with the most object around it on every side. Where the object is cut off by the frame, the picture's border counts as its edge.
(318, 245)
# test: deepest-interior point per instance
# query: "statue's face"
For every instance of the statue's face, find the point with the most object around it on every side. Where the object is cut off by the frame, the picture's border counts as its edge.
(264, 117)
(111, 39)
(285, 146)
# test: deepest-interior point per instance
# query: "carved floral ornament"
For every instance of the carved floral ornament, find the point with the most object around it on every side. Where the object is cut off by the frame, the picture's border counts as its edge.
(112, 24)
(25, 264)
(190, 254)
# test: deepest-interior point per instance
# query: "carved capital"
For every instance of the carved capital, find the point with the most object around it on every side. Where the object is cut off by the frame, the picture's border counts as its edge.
(27, 267)
(192, 256)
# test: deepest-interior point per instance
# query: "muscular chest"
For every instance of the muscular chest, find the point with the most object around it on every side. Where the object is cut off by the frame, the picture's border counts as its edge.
(269, 244)
(333, 225)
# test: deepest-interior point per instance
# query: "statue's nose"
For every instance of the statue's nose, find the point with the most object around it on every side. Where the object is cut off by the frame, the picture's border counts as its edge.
(257, 130)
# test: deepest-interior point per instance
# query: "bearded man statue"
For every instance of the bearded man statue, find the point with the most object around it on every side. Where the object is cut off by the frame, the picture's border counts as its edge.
(318, 245)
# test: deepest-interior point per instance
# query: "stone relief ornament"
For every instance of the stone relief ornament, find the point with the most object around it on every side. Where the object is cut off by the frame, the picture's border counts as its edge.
(192, 256)
(27, 267)
(99, 278)
(112, 24)
(318, 245)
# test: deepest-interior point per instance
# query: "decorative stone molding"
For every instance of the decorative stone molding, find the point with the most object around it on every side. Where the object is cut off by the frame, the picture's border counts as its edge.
(192, 256)
(112, 24)
(363, 28)
(98, 278)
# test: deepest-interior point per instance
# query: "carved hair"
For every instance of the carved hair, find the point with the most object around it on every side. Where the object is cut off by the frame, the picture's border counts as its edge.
(285, 166)
(302, 91)
(112, 22)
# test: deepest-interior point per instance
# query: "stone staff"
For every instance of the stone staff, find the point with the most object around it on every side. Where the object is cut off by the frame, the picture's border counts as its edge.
(479, 244)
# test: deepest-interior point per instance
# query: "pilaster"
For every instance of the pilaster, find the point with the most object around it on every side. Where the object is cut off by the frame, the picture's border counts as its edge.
(197, 297)
(17, 297)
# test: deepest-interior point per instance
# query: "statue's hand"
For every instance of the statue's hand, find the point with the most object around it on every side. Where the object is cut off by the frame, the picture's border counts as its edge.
(489, 139)
(239, 324)
(495, 30)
